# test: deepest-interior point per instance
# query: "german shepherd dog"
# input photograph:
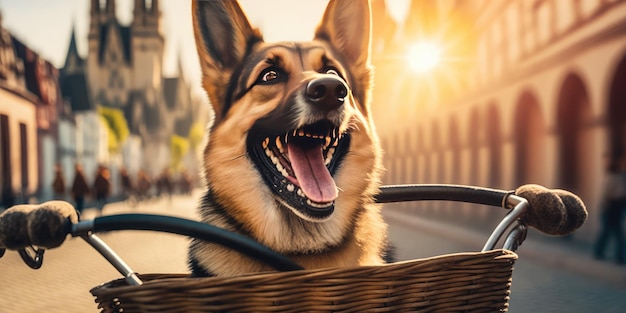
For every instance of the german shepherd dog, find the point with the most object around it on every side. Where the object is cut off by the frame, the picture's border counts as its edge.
(292, 158)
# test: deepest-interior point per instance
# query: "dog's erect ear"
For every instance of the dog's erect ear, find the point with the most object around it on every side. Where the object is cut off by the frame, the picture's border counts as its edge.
(223, 37)
(346, 25)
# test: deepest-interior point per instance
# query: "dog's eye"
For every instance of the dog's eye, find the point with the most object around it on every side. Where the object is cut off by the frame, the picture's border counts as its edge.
(270, 74)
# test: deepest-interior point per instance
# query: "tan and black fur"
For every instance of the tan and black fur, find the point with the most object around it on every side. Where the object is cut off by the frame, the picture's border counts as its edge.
(272, 100)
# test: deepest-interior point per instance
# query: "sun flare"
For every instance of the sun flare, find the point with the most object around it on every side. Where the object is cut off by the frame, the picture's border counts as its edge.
(424, 56)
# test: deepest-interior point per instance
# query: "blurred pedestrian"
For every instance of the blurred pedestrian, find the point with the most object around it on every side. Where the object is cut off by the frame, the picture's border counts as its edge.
(80, 189)
(144, 183)
(184, 182)
(164, 184)
(126, 183)
(58, 184)
(102, 187)
(613, 207)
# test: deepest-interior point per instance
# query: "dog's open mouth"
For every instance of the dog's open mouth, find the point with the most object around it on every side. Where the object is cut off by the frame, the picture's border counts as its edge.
(299, 165)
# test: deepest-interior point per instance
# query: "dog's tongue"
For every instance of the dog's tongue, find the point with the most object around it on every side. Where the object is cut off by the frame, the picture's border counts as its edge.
(314, 178)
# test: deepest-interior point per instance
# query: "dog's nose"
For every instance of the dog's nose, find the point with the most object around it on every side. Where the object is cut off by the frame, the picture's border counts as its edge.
(327, 93)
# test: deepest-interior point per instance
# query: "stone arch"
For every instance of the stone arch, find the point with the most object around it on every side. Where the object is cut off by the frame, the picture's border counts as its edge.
(529, 138)
(494, 144)
(423, 161)
(437, 155)
(572, 124)
(410, 158)
(616, 112)
(474, 132)
(455, 149)
(397, 157)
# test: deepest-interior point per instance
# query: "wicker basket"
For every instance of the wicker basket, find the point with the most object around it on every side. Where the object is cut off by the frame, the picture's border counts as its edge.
(461, 282)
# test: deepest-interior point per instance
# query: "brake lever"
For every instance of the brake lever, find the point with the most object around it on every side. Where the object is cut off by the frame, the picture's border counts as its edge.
(32, 257)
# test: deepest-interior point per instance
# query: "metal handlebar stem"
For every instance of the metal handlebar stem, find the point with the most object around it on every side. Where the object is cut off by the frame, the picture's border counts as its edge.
(517, 235)
(84, 230)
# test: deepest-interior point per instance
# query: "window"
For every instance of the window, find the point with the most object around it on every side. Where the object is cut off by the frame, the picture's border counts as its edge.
(24, 155)
(5, 157)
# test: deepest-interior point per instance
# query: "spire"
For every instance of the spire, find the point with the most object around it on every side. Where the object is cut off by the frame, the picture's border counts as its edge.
(73, 47)
(72, 52)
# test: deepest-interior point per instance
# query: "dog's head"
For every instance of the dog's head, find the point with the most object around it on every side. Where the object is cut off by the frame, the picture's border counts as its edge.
(292, 134)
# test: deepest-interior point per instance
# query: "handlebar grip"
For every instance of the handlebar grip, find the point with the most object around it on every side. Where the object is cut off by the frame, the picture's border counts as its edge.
(44, 225)
(552, 211)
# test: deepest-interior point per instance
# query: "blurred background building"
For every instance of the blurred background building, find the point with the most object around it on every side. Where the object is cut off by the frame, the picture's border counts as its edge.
(18, 123)
(121, 78)
(489, 93)
(502, 93)
(112, 106)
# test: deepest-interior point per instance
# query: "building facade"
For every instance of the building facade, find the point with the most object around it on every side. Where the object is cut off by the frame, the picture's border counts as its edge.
(123, 70)
(536, 95)
(19, 177)
(42, 81)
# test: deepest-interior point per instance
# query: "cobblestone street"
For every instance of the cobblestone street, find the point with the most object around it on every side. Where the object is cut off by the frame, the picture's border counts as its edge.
(70, 271)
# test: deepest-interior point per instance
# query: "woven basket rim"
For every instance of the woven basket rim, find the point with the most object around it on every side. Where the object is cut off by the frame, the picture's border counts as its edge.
(457, 282)
(174, 279)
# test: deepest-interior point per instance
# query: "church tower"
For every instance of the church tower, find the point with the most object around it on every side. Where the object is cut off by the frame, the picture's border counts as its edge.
(147, 48)
(110, 60)
(93, 40)
(123, 70)
(73, 62)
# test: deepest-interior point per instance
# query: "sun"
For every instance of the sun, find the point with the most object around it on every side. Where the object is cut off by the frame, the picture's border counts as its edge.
(424, 56)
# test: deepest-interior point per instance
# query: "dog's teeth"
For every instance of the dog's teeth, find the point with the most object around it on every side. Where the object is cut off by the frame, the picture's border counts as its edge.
(329, 156)
(268, 152)
(300, 193)
(266, 142)
(286, 137)
(327, 143)
(279, 145)
(280, 168)
(301, 133)
(291, 187)
(317, 205)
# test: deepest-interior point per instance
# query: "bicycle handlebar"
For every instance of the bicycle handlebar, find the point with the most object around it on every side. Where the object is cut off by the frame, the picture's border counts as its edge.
(460, 193)
(190, 228)
(554, 212)
(551, 211)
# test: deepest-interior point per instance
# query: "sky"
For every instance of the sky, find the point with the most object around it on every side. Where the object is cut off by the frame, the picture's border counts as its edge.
(46, 25)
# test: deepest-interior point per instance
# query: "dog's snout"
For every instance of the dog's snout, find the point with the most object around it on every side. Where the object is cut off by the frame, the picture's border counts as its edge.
(327, 93)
